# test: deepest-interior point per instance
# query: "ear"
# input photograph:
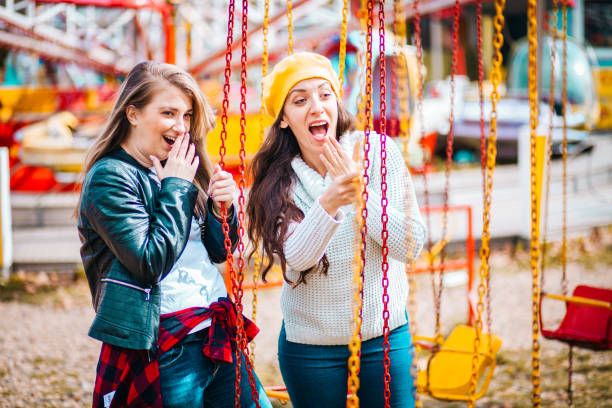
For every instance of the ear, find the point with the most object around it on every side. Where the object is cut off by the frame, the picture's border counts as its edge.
(132, 115)
(283, 124)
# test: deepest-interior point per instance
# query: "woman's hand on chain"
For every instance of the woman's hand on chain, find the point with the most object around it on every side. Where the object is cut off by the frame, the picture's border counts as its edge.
(222, 189)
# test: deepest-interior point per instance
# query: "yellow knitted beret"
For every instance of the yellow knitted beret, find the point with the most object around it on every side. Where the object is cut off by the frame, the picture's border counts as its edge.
(291, 70)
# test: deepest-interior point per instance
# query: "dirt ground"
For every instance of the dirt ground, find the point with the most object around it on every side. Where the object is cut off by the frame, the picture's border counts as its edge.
(47, 360)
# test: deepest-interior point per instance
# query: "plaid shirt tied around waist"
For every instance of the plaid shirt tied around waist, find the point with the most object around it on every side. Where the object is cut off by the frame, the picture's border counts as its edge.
(130, 378)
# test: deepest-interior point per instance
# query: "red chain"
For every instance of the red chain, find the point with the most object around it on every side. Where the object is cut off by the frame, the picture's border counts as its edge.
(226, 85)
(227, 242)
(366, 145)
(242, 340)
(383, 200)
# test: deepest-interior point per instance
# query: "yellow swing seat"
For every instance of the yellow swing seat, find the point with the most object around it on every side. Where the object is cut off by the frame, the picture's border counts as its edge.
(449, 371)
(278, 393)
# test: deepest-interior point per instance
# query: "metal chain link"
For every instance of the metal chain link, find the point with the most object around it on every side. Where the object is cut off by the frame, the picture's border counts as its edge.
(342, 50)
(535, 232)
(225, 226)
(354, 361)
(564, 281)
(384, 218)
(551, 114)
(290, 27)
(489, 160)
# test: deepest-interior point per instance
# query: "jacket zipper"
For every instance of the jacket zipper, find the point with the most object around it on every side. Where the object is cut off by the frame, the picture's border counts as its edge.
(147, 291)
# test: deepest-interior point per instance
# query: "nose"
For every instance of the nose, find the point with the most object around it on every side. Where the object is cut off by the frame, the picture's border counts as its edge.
(180, 125)
(317, 105)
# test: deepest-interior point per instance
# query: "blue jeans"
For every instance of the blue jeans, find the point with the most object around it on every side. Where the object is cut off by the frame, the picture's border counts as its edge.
(316, 376)
(189, 379)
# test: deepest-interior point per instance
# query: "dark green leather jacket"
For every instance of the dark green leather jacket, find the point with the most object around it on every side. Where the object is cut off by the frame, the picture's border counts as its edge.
(132, 230)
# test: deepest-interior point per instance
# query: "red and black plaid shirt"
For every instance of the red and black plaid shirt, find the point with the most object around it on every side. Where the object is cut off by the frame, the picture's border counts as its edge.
(133, 375)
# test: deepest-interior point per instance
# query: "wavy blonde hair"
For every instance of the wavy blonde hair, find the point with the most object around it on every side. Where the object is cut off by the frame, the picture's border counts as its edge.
(138, 89)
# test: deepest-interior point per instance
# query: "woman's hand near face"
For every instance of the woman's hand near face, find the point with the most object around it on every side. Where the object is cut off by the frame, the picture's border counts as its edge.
(222, 188)
(182, 161)
(344, 173)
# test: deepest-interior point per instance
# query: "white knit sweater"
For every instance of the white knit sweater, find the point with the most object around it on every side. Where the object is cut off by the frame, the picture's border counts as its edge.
(321, 311)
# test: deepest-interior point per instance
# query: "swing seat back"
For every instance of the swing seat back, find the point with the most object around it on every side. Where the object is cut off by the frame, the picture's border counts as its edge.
(449, 371)
(585, 325)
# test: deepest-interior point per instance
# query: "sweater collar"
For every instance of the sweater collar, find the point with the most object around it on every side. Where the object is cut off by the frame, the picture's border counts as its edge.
(312, 182)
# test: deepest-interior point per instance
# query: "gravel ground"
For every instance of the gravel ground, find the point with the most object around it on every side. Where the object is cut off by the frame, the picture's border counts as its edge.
(47, 360)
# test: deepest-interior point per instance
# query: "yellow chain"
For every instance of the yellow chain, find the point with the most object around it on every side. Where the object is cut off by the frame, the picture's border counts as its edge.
(342, 52)
(264, 71)
(290, 26)
(498, 41)
(354, 346)
(361, 68)
(535, 221)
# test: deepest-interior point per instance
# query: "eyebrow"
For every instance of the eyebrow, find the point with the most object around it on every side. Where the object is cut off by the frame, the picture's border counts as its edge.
(322, 84)
(173, 108)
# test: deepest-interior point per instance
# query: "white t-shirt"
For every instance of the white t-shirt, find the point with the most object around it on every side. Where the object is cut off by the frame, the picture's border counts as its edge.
(194, 280)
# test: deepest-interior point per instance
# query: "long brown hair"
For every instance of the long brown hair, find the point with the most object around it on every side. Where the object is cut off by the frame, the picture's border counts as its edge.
(138, 90)
(270, 208)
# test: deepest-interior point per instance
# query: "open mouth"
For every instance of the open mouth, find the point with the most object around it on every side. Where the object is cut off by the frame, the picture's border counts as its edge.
(319, 130)
(169, 140)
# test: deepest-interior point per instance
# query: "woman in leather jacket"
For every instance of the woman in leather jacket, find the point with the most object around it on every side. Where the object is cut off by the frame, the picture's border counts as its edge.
(150, 228)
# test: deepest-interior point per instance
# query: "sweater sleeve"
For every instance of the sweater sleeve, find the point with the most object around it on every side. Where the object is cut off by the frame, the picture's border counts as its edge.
(405, 226)
(309, 238)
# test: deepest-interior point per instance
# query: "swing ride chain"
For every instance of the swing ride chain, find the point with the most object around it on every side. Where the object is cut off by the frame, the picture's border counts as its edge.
(354, 346)
(496, 79)
(449, 159)
(483, 141)
(489, 160)
(534, 247)
(564, 102)
(290, 26)
(262, 112)
(354, 360)
(226, 84)
(419, 107)
(361, 100)
(242, 339)
(367, 130)
(342, 51)
(564, 282)
(551, 112)
(383, 200)
(227, 242)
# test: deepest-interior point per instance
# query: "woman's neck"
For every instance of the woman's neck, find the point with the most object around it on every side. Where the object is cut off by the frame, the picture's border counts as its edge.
(137, 154)
(316, 164)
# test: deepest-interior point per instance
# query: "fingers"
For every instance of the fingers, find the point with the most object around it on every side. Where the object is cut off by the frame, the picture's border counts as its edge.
(158, 167)
(184, 146)
(176, 147)
(222, 187)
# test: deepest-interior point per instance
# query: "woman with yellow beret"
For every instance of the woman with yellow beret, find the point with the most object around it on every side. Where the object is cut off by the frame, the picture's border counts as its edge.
(302, 213)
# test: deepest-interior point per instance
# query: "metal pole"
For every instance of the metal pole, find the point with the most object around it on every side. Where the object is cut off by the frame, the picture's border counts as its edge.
(6, 238)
